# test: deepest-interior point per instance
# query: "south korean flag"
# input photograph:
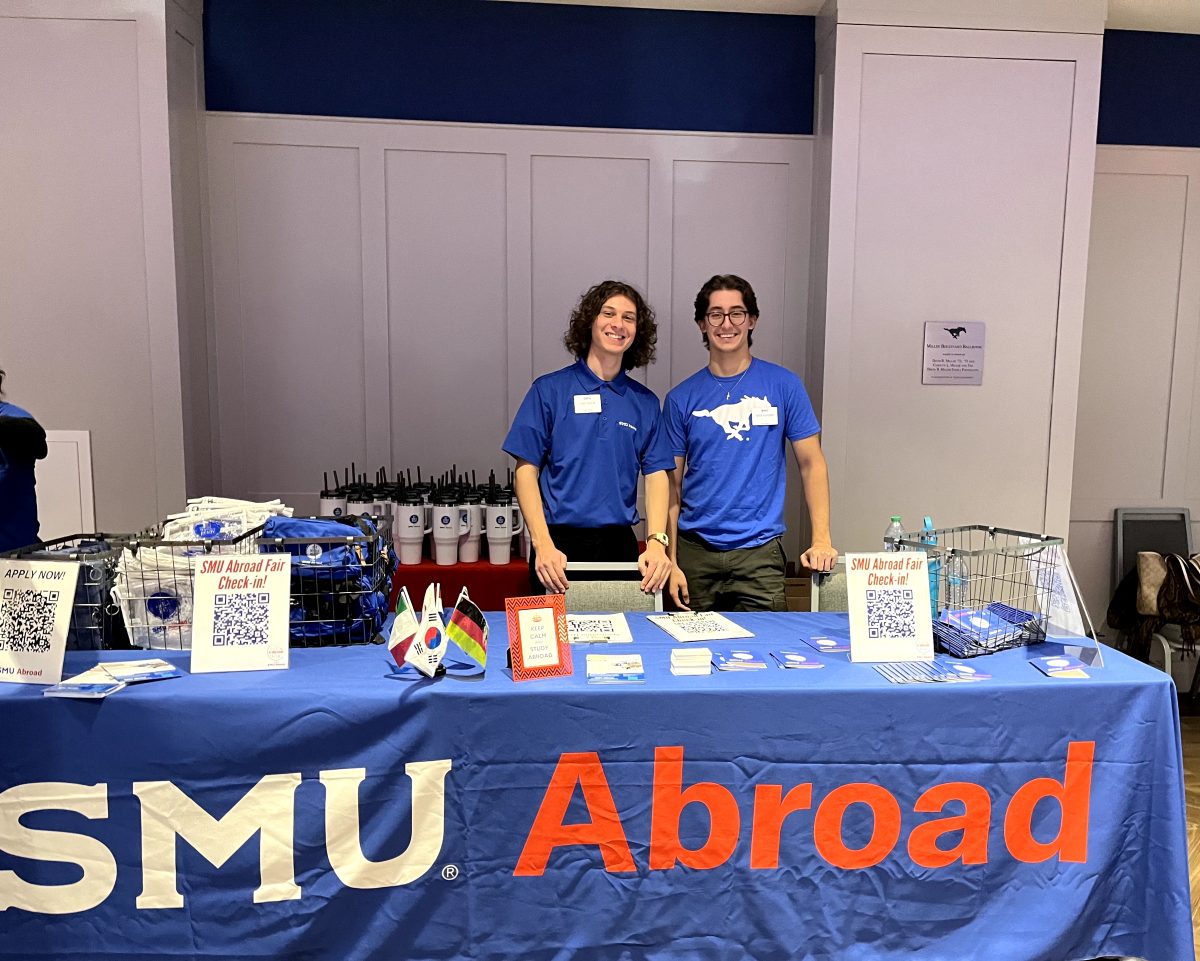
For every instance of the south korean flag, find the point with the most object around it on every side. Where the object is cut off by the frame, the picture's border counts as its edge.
(425, 652)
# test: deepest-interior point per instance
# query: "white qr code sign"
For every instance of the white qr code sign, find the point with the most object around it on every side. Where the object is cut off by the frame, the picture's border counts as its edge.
(240, 613)
(36, 599)
(888, 596)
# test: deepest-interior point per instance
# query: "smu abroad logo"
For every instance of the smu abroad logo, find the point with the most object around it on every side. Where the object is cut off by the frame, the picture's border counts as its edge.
(169, 815)
(950, 823)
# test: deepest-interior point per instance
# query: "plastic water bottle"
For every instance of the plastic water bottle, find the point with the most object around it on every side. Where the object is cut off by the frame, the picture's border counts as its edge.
(958, 587)
(891, 537)
(934, 563)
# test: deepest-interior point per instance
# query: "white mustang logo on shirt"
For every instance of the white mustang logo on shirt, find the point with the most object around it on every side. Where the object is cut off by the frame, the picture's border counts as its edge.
(735, 418)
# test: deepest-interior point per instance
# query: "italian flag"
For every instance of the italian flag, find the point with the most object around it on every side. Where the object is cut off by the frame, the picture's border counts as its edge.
(404, 627)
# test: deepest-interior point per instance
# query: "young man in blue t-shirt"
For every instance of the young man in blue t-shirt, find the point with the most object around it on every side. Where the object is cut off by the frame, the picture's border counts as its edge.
(582, 436)
(729, 425)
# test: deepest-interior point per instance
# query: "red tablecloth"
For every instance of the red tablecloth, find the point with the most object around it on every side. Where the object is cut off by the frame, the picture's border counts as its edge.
(489, 584)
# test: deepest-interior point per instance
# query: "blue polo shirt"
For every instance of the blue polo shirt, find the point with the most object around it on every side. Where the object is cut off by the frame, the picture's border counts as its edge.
(589, 439)
(735, 450)
(18, 500)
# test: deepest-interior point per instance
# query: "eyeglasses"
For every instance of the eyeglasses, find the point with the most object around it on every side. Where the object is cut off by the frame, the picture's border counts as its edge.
(737, 317)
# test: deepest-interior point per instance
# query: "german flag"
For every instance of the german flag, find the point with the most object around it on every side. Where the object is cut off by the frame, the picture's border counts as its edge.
(468, 629)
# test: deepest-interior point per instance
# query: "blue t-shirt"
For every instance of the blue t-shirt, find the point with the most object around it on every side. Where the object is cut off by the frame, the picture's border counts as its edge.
(18, 501)
(589, 454)
(736, 471)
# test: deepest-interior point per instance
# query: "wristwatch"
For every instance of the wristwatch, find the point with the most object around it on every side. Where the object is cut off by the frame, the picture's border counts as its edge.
(661, 538)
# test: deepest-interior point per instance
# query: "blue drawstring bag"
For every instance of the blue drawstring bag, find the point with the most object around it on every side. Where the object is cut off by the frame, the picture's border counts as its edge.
(341, 577)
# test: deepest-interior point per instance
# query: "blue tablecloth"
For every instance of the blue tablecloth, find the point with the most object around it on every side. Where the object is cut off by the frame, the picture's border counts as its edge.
(772, 814)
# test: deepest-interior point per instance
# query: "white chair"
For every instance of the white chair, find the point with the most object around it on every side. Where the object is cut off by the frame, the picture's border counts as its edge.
(829, 588)
(608, 586)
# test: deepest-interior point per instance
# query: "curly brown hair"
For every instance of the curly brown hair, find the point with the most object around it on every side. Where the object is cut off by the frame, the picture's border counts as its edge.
(578, 338)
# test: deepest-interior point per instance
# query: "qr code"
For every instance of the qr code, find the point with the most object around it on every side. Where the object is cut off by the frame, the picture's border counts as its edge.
(890, 614)
(240, 619)
(27, 619)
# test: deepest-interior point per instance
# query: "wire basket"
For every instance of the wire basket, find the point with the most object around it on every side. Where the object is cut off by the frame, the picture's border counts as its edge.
(992, 587)
(95, 621)
(340, 585)
(341, 570)
(154, 585)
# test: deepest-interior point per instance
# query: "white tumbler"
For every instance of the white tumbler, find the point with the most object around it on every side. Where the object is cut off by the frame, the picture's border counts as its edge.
(447, 524)
(503, 521)
(333, 506)
(408, 532)
(471, 534)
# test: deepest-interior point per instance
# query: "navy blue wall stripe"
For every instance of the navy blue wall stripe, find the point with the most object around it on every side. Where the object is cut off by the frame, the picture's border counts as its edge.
(1150, 89)
(522, 63)
(487, 62)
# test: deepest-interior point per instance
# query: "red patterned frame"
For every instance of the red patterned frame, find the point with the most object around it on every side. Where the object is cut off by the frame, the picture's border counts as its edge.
(557, 606)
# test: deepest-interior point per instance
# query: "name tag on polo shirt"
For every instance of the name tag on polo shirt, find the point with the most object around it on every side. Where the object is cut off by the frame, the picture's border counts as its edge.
(764, 416)
(587, 403)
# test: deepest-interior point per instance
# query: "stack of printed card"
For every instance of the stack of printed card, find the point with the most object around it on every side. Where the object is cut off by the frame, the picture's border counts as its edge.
(615, 669)
(691, 660)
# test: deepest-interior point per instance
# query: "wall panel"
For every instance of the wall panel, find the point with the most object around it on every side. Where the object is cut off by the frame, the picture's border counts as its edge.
(1133, 293)
(422, 274)
(730, 218)
(291, 362)
(446, 307)
(1138, 432)
(88, 328)
(959, 190)
(590, 220)
(185, 99)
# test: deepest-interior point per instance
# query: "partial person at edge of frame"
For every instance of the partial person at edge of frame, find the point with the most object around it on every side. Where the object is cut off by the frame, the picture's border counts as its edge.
(581, 437)
(729, 425)
(22, 441)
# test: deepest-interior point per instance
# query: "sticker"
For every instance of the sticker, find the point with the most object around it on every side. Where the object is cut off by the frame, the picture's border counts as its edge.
(587, 403)
(764, 416)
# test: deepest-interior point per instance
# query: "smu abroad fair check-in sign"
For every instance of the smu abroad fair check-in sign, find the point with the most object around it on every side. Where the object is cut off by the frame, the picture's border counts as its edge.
(953, 353)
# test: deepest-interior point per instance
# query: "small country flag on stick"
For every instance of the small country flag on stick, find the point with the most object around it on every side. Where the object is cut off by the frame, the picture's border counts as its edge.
(404, 627)
(468, 628)
(425, 652)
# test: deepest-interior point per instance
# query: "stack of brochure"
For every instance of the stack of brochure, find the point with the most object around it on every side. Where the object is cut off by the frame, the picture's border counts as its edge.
(969, 632)
(691, 660)
(737, 659)
(111, 676)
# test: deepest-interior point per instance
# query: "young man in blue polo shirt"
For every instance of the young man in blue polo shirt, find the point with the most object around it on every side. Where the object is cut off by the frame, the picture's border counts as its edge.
(729, 425)
(581, 437)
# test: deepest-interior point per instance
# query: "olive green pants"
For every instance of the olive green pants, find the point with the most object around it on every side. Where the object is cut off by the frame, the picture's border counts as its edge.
(743, 579)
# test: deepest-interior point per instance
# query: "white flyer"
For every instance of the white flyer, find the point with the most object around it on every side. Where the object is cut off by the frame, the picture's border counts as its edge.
(598, 629)
(698, 626)
(888, 595)
(240, 612)
(36, 598)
